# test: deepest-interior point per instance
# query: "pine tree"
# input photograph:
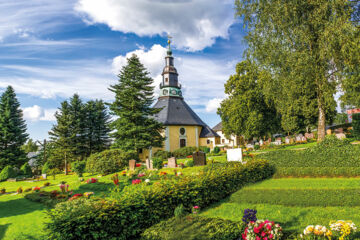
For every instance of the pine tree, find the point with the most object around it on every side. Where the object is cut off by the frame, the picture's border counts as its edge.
(135, 128)
(12, 130)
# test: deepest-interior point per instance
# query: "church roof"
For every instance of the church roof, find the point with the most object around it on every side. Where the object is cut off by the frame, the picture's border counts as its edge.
(218, 127)
(175, 111)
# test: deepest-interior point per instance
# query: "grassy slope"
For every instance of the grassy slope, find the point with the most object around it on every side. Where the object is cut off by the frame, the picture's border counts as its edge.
(291, 217)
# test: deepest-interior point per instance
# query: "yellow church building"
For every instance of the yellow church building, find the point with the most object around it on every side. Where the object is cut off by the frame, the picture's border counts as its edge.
(183, 127)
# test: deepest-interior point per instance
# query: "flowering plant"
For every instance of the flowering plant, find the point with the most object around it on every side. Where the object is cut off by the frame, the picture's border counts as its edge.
(115, 179)
(76, 196)
(19, 190)
(179, 174)
(249, 216)
(88, 194)
(262, 229)
(342, 229)
(136, 181)
(163, 173)
(316, 232)
(137, 165)
(147, 180)
(92, 180)
(123, 173)
(195, 209)
(36, 189)
(64, 188)
(190, 156)
(141, 174)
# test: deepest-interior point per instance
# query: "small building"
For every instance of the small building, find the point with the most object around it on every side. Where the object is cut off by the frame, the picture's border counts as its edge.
(183, 127)
(233, 141)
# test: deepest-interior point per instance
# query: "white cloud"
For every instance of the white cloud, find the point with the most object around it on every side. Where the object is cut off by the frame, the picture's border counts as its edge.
(213, 104)
(194, 24)
(37, 113)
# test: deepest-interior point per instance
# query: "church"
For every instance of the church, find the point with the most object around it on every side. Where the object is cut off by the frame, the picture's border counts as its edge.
(183, 127)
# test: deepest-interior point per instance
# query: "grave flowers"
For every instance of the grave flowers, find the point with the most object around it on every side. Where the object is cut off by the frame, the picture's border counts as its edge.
(91, 180)
(195, 209)
(315, 232)
(342, 229)
(76, 196)
(249, 216)
(36, 189)
(141, 174)
(88, 194)
(262, 229)
(163, 173)
(115, 179)
(136, 181)
(64, 188)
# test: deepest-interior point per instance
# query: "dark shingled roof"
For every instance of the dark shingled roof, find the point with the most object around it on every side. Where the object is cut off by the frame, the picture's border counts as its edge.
(175, 111)
(218, 127)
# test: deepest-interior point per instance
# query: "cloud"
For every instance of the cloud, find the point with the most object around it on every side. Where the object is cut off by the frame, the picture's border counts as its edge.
(37, 113)
(194, 24)
(213, 104)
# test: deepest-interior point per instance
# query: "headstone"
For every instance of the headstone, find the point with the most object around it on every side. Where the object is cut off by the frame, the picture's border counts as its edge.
(149, 164)
(339, 130)
(287, 140)
(234, 155)
(261, 142)
(340, 135)
(199, 158)
(299, 138)
(172, 162)
(132, 164)
(303, 139)
(278, 140)
(269, 141)
(250, 146)
(11, 180)
(309, 135)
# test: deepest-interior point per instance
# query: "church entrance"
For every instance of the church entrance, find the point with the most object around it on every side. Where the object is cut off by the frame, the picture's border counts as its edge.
(182, 143)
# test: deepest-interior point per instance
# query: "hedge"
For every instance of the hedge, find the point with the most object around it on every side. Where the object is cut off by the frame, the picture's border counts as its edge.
(194, 228)
(109, 161)
(6, 173)
(356, 125)
(184, 152)
(25, 170)
(139, 207)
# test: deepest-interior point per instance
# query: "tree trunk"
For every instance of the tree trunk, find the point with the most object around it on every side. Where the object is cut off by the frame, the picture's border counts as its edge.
(321, 123)
(66, 170)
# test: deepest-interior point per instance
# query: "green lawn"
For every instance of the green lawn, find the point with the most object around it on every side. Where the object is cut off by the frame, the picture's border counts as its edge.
(271, 199)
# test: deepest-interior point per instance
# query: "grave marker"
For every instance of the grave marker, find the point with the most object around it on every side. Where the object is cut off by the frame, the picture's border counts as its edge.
(234, 155)
(172, 162)
(132, 164)
(199, 158)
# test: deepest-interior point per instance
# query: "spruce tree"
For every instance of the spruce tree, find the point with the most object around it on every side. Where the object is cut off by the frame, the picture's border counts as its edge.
(135, 128)
(12, 130)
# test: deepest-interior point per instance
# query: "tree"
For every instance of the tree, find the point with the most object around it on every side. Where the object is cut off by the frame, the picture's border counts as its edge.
(12, 131)
(303, 41)
(30, 146)
(245, 111)
(135, 128)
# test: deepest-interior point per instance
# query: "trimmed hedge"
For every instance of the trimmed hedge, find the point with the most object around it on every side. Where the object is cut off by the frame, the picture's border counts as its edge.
(109, 161)
(356, 125)
(184, 152)
(164, 155)
(139, 207)
(194, 228)
(25, 170)
(6, 173)
(299, 197)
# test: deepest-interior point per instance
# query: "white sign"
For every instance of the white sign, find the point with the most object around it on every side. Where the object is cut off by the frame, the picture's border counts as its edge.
(234, 154)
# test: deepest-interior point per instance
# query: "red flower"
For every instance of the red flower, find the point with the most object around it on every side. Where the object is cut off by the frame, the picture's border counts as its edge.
(138, 165)
(190, 156)
(257, 229)
(268, 227)
(91, 180)
(136, 181)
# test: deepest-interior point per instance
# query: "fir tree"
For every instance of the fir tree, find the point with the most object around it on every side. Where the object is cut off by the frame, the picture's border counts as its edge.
(135, 128)
(12, 130)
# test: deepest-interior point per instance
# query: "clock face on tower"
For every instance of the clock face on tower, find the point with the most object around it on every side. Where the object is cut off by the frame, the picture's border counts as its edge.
(165, 92)
(170, 91)
(173, 92)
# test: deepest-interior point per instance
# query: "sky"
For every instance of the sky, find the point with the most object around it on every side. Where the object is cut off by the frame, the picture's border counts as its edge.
(50, 50)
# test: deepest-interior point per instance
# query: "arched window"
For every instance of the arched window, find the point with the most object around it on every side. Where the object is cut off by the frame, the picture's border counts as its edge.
(182, 143)
(182, 131)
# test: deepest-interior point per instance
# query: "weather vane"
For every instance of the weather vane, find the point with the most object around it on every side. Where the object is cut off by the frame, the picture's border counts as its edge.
(169, 39)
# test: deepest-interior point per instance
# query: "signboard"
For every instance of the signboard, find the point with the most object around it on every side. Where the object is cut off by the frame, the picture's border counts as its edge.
(234, 155)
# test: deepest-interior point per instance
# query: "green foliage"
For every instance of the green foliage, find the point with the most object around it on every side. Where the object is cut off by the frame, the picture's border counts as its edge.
(184, 152)
(45, 169)
(6, 173)
(204, 149)
(135, 128)
(299, 197)
(12, 131)
(256, 147)
(30, 146)
(164, 155)
(195, 228)
(356, 125)
(148, 205)
(157, 163)
(331, 156)
(109, 161)
(189, 163)
(216, 150)
(180, 211)
(25, 170)
(79, 167)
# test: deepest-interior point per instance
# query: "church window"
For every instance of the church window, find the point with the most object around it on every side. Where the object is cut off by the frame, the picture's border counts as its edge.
(166, 79)
(223, 140)
(182, 131)
(208, 141)
(182, 143)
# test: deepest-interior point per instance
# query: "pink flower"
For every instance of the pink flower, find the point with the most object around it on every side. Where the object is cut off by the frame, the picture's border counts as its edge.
(136, 181)
(271, 236)
(268, 227)
(263, 234)
(196, 207)
(265, 238)
(258, 238)
(256, 229)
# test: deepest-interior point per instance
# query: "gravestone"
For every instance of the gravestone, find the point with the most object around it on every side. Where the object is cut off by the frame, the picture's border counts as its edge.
(299, 138)
(132, 164)
(261, 142)
(250, 146)
(234, 155)
(340, 135)
(309, 135)
(339, 130)
(278, 140)
(287, 140)
(199, 158)
(172, 162)
(149, 164)
(303, 139)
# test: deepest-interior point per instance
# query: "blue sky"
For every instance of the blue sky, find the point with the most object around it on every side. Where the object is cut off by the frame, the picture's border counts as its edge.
(50, 50)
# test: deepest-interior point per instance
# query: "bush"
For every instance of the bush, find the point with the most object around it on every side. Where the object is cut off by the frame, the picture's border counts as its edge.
(216, 150)
(189, 163)
(139, 207)
(184, 152)
(204, 149)
(256, 147)
(179, 211)
(356, 125)
(78, 167)
(157, 163)
(6, 173)
(25, 170)
(109, 161)
(192, 228)
(164, 155)
(45, 169)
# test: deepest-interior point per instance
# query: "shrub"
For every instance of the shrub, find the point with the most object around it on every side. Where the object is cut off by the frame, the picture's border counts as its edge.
(79, 167)
(356, 125)
(139, 207)
(25, 170)
(195, 228)
(189, 163)
(256, 147)
(184, 152)
(45, 169)
(216, 150)
(164, 155)
(179, 211)
(6, 173)
(109, 161)
(157, 163)
(204, 149)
